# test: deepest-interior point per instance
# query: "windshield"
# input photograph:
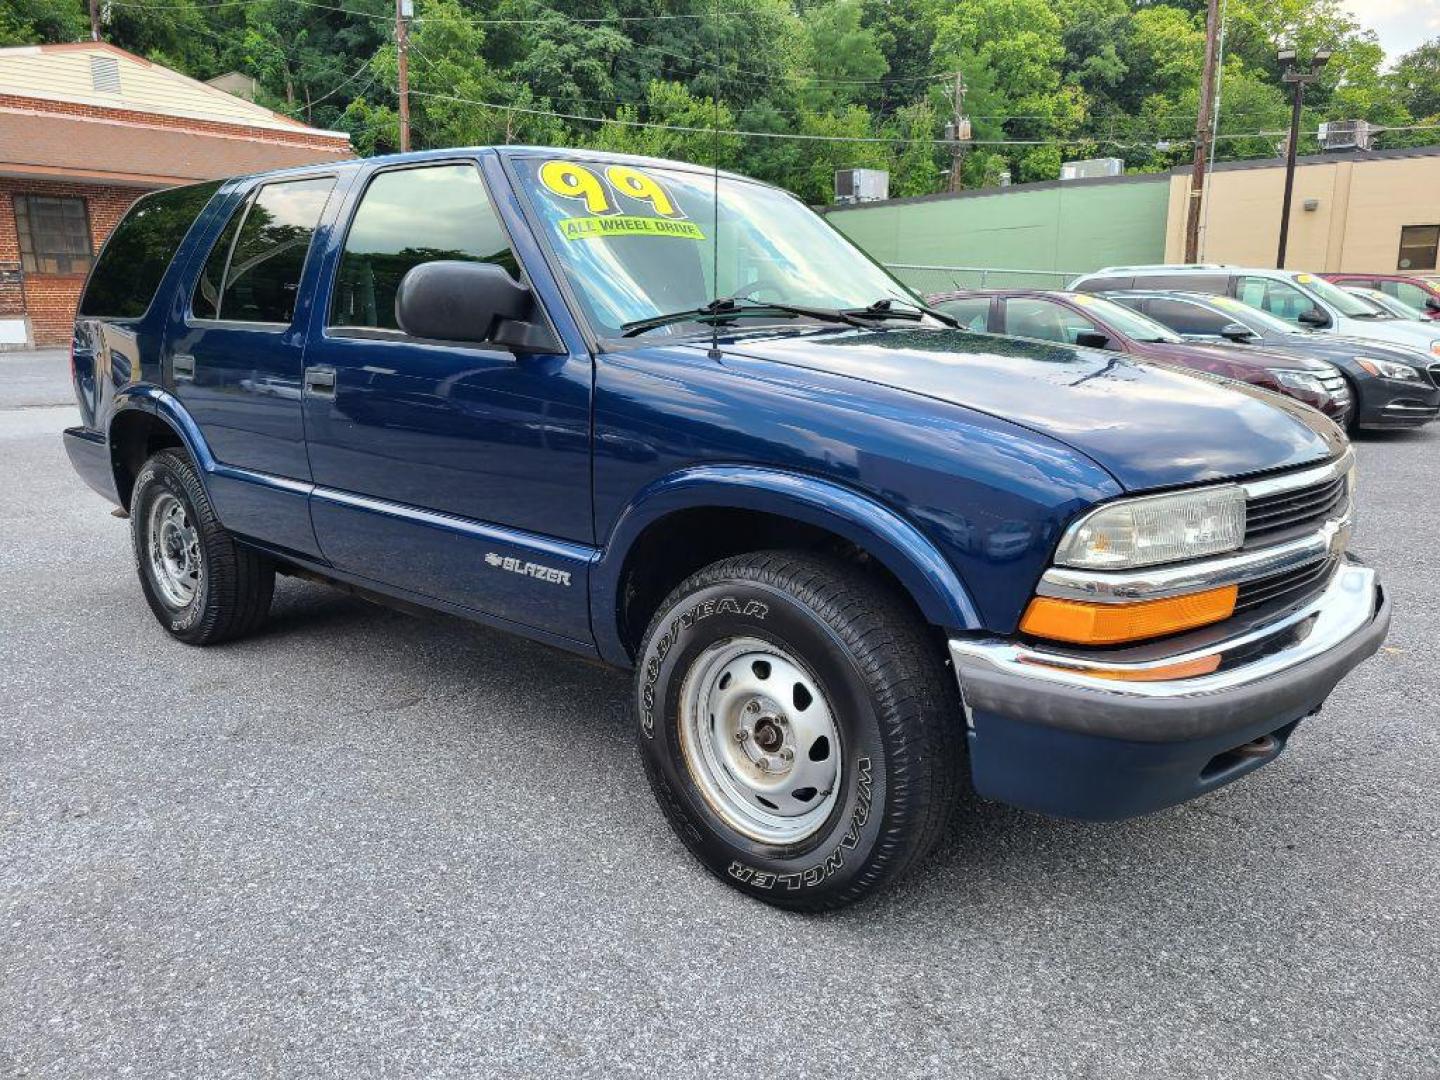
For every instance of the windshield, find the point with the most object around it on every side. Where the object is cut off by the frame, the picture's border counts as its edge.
(636, 242)
(1351, 306)
(1132, 324)
(1254, 318)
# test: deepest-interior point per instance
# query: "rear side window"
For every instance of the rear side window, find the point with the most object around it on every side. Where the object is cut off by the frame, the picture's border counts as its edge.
(1103, 284)
(140, 249)
(407, 217)
(972, 311)
(256, 263)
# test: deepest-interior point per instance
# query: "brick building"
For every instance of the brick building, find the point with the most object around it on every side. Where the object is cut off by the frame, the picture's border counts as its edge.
(85, 130)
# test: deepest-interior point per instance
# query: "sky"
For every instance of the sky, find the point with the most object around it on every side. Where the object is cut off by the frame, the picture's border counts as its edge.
(1401, 24)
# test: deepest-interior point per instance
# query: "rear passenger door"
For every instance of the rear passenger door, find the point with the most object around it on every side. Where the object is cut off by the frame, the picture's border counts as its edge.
(458, 471)
(236, 357)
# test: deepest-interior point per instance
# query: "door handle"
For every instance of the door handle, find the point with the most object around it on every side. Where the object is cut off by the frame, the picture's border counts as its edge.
(320, 382)
(183, 366)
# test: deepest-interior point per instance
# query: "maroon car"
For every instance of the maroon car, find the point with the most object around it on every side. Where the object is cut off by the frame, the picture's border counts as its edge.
(1093, 321)
(1421, 290)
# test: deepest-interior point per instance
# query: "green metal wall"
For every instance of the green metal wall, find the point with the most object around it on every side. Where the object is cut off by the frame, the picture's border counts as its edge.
(1071, 227)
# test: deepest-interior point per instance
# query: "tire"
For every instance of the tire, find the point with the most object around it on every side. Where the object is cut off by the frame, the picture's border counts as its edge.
(203, 587)
(713, 729)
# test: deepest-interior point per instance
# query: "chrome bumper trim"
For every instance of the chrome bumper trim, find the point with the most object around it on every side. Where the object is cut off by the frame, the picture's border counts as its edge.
(1346, 606)
(1158, 582)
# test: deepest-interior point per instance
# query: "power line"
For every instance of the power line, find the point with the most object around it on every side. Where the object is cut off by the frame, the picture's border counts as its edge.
(599, 20)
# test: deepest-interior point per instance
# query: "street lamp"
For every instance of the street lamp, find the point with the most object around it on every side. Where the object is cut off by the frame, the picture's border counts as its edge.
(1298, 80)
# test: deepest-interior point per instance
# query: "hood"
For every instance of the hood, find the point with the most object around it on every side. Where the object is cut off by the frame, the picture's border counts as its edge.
(1416, 335)
(1247, 356)
(1149, 426)
(1343, 345)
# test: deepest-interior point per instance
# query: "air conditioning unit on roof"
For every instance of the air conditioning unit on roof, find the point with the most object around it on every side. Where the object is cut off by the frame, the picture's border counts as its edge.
(1346, 135)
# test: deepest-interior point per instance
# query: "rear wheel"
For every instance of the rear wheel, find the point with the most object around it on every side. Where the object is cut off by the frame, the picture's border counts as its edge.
(798, 727)
(202, 585)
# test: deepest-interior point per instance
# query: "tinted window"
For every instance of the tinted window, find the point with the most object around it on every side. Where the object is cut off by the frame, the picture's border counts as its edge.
(263, 276)
(139, 250)
(1187, 318)
(1103, 284)
(205, 302)
(972, 311)
(1202, 283)
(405, 218)
(1026, 317)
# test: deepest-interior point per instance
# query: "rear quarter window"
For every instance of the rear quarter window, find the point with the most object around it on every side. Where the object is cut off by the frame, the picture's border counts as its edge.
(139, 251)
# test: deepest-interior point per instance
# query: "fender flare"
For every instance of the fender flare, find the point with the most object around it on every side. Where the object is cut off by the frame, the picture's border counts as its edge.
(164, 406)
(871, 525)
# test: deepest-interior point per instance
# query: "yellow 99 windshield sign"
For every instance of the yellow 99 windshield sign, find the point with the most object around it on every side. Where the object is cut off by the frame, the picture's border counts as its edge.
(603, 201)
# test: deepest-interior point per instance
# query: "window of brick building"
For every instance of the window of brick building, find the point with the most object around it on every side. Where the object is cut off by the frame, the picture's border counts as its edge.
(54, 234)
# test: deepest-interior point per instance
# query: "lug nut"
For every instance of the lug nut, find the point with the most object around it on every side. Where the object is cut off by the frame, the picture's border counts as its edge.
(787, 755)
(742, 735)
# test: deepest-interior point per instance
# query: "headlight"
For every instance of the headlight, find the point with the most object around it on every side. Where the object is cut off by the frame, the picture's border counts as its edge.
(1299, 380)
(1388, 369)
(1156, 529)
(1435, 347)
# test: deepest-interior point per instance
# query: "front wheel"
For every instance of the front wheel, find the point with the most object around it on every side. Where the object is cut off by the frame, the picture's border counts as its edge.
(201, 584)
(798, 727)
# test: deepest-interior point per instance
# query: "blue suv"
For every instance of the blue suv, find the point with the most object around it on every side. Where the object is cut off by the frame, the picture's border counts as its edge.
(671, 420)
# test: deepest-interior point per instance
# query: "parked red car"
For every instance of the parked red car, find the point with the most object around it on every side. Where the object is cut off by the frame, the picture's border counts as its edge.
(1417, 290)
(1088, 320)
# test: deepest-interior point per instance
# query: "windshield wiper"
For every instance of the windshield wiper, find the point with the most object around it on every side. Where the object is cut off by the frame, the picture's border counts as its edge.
(726, 308)
(885, 309)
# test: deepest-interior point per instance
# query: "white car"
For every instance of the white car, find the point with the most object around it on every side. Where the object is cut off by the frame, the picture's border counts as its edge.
(1306, 300)
(1385, 303)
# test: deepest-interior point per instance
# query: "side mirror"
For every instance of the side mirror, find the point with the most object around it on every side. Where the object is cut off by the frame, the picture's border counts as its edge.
(1236, 332)
(1432, 303)
(451, 300)
(1092, 339)
(1313, 317)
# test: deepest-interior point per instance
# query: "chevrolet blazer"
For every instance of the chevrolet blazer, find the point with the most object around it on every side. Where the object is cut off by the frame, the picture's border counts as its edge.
(670, 420)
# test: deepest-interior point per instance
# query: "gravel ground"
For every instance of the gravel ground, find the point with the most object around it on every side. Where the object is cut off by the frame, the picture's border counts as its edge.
(366, 844)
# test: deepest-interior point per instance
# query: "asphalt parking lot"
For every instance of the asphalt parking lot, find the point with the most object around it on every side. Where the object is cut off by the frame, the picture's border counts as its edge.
(367, 844)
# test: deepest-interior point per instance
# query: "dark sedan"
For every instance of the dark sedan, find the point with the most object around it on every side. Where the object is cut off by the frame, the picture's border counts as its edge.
(1093, 321)
(1394, 387)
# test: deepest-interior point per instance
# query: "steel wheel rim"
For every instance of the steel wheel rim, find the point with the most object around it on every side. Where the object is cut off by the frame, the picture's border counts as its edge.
(760, 740)
(174, 550)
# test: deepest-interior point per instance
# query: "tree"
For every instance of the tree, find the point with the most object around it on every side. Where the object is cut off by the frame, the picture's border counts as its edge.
(1415, 81)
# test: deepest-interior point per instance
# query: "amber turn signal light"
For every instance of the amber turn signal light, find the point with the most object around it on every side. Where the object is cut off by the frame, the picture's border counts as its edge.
(1080, 623)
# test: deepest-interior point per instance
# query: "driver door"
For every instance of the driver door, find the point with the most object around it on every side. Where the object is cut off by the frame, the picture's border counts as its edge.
(455, 471)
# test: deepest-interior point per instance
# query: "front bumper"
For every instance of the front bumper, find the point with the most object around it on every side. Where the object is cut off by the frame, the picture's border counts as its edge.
(1388, 405)
(1048, 732)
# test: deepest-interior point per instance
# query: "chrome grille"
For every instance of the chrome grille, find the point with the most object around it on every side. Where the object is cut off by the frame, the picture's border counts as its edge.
(1434, 372)
(1336, 387)
(1299, 583)
(1267, 517)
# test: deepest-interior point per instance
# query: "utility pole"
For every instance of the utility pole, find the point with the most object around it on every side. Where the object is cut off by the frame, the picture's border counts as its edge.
(94, 20)
(957, 133)
(403, 11)
(1202, 131)
(1298, 80)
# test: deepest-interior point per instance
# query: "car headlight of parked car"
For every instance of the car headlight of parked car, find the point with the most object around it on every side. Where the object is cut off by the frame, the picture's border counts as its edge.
(1156, 529)
(1389, 369)
(1300, 380)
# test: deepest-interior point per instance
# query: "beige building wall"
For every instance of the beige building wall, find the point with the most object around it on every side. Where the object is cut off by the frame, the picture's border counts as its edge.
(1361, 207)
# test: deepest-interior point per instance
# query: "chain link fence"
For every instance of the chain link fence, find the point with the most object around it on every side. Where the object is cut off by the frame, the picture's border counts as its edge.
(933, 279)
